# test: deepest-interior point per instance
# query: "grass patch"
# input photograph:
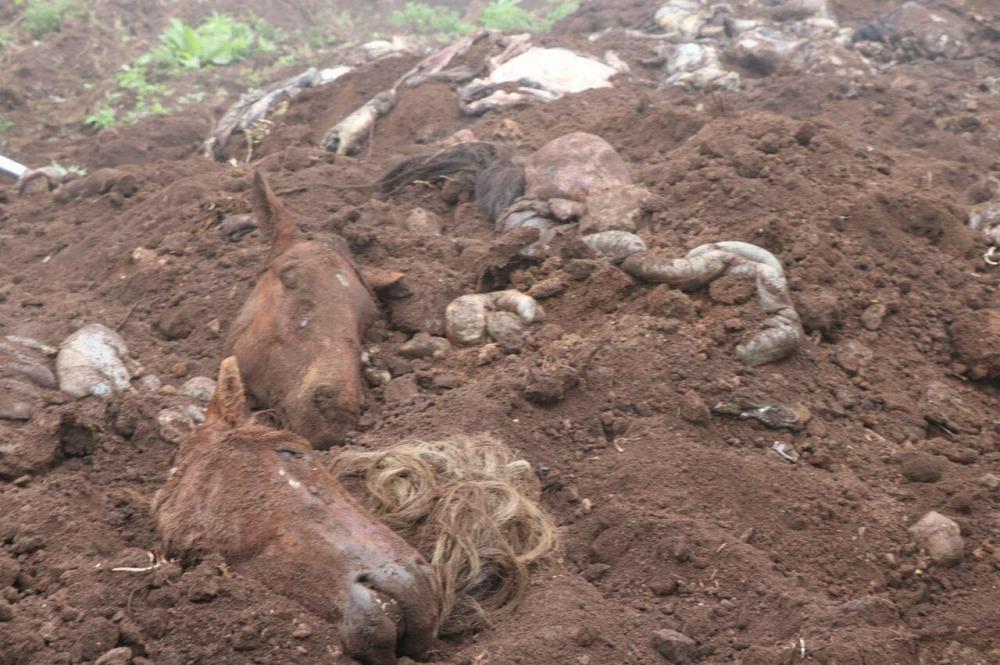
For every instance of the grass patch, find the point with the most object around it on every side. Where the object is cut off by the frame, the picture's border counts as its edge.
(510, 16)
(423, 19)
(44, 16)
(102, 118)
(5, 125)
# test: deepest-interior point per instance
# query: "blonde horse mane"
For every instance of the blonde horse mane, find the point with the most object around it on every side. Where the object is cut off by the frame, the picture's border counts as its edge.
(465, 503)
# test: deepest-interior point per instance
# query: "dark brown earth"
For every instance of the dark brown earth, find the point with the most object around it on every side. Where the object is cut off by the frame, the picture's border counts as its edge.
(673, 517)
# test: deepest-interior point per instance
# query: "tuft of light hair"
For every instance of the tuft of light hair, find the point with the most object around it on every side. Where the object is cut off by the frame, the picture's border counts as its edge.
(465, 503)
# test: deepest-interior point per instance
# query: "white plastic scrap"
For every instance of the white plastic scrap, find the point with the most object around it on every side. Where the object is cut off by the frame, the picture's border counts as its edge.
(93, 361)
(699, 66)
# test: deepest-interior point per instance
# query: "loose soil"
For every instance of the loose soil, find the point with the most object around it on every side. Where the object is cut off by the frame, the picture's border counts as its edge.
(671, 518)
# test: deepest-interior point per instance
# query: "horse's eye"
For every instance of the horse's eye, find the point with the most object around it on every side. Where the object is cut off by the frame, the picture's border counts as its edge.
(285, 452)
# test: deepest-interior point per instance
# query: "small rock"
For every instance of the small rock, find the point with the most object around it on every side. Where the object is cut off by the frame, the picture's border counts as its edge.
(422, 222)
(200, 388)
(585, 635)
(302, 631)
(119, 656)
(215, 327)
(423, 345)
(693, 409)
(506, 328)
(673, 646)
(920, 467)
(93, 361)
(853, 356)
(549, 384)
(175, 424)
(6, 611)
(941, 537)
(21, 481)
(976, 336)
(990, 481)
(872, 317)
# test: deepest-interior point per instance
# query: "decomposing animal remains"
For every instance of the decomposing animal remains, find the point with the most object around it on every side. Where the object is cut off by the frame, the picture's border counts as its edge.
(466, 503)
(702, 265)
(262, 499)
(298, 336)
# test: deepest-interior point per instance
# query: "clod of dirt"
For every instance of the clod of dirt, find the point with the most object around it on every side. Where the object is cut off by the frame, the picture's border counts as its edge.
(920, 467)
(693, 409)
(976, 336)
(941, 537)
(675, 647)
(549, 384)
(180, 322)
(93, 361)
(9, 569)
(821, 312)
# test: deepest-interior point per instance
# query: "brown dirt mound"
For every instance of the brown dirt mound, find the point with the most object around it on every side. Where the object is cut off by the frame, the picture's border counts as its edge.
(673, 517)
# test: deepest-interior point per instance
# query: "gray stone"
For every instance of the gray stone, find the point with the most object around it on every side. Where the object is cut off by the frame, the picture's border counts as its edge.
(119, 656)
(673, 646)
(941, 537)
(200, 388)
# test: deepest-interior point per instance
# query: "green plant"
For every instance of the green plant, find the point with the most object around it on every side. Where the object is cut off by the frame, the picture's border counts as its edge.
(42, 17)
(425, 19)
(561, 10)
(5, 125)
(102, 118)
(5, 39)
(509, 15)
(218, 40)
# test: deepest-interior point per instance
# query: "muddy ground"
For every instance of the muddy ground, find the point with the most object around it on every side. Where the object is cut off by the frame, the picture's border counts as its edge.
(672, 517)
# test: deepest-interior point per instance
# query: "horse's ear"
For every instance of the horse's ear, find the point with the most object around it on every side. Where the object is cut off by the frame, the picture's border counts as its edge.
(272, 216)
(229, 401)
